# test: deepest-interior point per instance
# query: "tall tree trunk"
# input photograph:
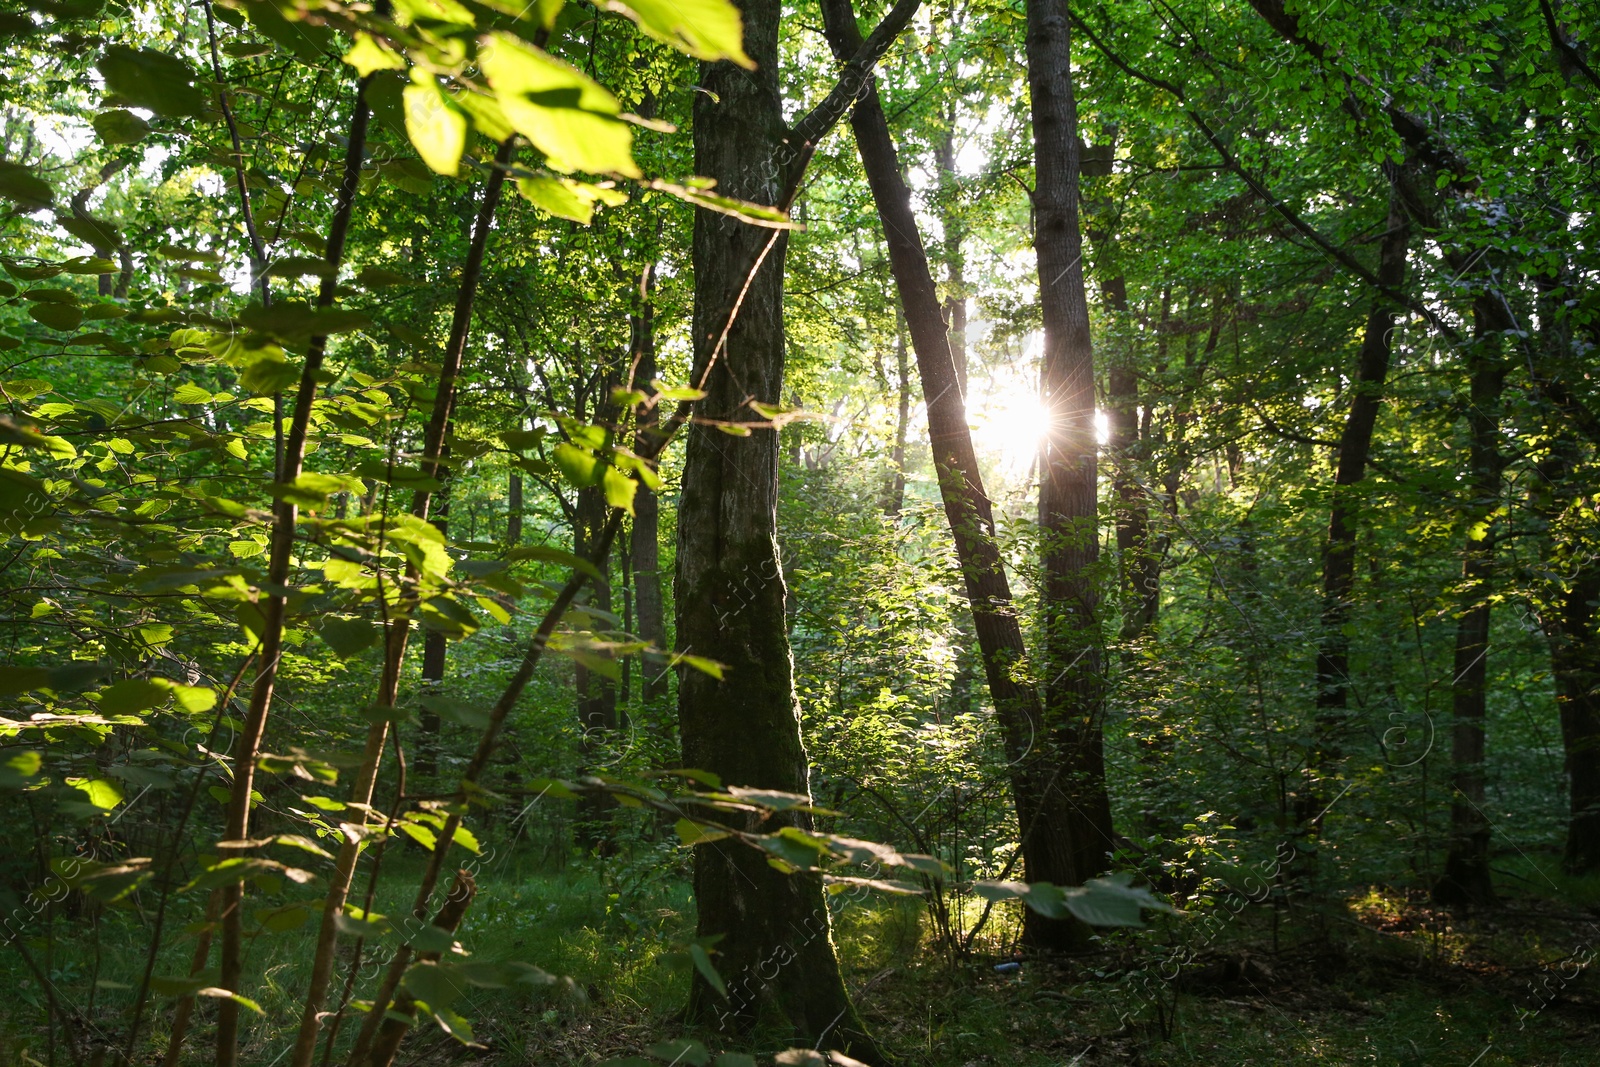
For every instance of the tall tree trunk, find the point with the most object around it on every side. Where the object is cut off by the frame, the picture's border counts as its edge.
(1044, 809)
(955, 302)
(398, 629)
(1571, 581)
(1339, 551)
(514, 505)
(274, 607)
(730, 590)
(894, 490)
(1072, 661)
(1575, 660)
(597, 694)
(434, 650)
(644, 540)
(1467, 879)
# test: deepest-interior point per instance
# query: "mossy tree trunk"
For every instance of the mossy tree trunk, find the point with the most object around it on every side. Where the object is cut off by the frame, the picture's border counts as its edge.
(775, 950)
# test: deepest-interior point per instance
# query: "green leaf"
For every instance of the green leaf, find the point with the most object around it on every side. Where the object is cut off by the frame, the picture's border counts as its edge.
(378, 277)
(699, 663)
(104, 882)
(522, 440)
(348, 636)
(706, 29)
(680, 1050)
(702, 963)
(693, 833)
(223, 994)
(300, 267)
(581, 467)
(311, 490)
(152, 80)
(193, 698)
(567, 198)
(118, 126)
(437, 130)
(14, 680)
(96, 232)
(559, 556)
(103, 793)
(23, 187)
(565, 114)
(132, 696)
(619, 489)
(452, 709)
(430, 982)
(1112, 901)
(18, 767)
(447, 615)
(368, 55)
(296, 323)
(61, 317)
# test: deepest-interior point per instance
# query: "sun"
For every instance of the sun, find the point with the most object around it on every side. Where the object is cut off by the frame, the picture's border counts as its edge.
(1009, 419)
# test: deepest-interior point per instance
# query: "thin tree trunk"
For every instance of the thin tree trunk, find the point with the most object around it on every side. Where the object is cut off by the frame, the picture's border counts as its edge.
(644, 539)
(955, 304)
(597, 694)
(1467, 879)
(1072, 662)
(273, 605)
(1575, 661)
(398, 629)
(894, 490)
(400, 1017)
(434, 650)
(730, 589)
(514, 505)
(1044, 812)
(1339, 552)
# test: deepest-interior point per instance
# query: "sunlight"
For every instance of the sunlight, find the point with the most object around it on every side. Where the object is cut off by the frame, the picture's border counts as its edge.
(1008, 418)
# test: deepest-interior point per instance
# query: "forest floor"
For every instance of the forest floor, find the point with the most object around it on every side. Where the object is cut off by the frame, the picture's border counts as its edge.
(1377, 977)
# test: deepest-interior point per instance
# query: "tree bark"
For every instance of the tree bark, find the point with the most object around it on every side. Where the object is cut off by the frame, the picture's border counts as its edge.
(434, 650)
(729, 583)
(1072, 660)
(955, 302)
(644, 539)
(597, 694)
(1339, 551)
(894, 490)
(1467, 879)
(274, 606)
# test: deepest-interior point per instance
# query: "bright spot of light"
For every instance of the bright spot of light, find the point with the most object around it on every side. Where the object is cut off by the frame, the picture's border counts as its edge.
(1008, 419)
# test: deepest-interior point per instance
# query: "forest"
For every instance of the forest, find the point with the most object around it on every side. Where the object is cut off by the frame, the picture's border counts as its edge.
(796, 532)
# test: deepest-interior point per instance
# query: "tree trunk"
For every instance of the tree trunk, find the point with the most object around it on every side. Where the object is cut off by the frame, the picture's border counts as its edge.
(644, 542)
(1467, 879)
(434, 650)
(1072, 661)
(1044, 813)
(1575, 661)
(894, 490)
(775, 950)
(597, 694)
(514, 510)
(1339, 552)
(955, 303)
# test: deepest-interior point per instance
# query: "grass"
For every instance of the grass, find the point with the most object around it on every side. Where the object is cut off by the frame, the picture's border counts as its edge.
(1379, 978)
